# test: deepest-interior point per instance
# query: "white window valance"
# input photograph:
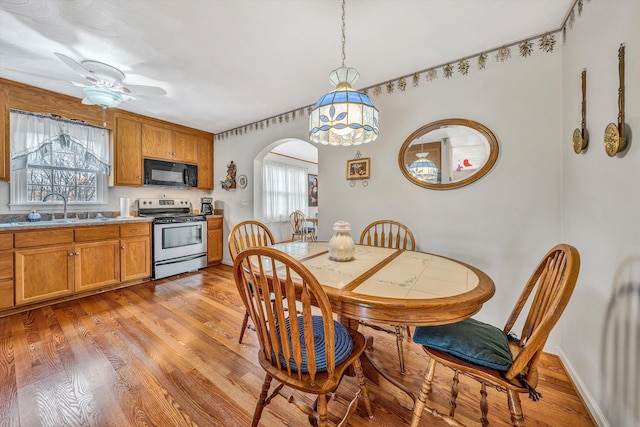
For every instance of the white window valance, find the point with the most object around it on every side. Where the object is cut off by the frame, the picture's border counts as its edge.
(32, 135)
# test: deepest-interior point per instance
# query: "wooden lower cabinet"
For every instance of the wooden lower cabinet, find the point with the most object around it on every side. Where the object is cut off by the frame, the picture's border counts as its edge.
(96, 264)
(214, 240)
(6, 293)
(44, 273)
(94, 257)
(6, 270)
(135, 258)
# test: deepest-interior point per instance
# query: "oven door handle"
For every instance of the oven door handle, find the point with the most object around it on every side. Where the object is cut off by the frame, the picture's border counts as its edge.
(182, 259)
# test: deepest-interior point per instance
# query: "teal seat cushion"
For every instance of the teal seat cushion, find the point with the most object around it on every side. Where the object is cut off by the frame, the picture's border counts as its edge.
(472, 341)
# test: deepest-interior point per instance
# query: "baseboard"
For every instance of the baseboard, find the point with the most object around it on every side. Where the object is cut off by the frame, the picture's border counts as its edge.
(589, 400)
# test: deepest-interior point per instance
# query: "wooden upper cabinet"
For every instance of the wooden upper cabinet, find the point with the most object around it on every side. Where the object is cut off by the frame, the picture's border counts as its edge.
(184, 147)
(157, 142)
(205, 163)
(127, 153)
(4, 136)
(164, 143)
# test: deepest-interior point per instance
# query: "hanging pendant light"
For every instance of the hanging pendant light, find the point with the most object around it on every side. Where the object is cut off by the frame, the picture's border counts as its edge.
(343, 116)
(424, 169)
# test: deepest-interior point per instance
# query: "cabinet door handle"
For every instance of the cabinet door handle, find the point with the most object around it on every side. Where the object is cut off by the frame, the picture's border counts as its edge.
(122, 247)
(70, 253)
(77, 253)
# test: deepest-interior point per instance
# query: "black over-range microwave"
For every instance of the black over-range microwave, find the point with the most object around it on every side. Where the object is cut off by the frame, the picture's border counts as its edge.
(159, 172)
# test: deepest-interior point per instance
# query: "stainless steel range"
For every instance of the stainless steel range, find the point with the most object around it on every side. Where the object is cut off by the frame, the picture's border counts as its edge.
(179, 237)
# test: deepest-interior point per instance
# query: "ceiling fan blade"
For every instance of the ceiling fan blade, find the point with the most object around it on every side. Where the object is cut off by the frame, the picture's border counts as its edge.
(76, 66)
(143, 90)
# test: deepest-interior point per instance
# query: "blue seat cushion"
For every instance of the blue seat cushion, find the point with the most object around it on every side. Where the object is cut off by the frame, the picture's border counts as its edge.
(472, 341)
(305, 230)
(342, 339)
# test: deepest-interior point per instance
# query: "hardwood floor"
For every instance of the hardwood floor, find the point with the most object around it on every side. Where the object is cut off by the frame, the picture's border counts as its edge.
(165, 353)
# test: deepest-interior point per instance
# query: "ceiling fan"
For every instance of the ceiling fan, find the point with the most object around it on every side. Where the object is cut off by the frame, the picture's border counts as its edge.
(104, 84)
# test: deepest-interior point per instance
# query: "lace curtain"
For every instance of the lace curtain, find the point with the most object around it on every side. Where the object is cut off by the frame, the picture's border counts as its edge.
(32, 136)
(284, 190)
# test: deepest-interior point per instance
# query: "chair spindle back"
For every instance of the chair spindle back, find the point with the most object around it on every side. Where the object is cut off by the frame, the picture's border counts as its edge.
(388, 234)
(293, 282)
(553, 280)
(249, 234)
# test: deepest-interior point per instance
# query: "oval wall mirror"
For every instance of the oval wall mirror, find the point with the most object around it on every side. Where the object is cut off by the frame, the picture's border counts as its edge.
(449, 153)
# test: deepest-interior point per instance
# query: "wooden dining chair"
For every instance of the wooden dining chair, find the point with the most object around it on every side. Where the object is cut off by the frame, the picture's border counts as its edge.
(387, 233)
(307, 352)
(499, 358)
(248, 234)
(300, 230)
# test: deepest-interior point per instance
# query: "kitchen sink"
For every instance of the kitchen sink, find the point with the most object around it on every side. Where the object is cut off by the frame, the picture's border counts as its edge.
(56, 221)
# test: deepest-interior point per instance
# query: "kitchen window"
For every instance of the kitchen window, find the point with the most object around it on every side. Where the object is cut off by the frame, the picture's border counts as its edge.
(53, 155)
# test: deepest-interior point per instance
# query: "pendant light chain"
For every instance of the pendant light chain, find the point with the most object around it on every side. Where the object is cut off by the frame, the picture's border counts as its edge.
(343, 116)
(344, 56)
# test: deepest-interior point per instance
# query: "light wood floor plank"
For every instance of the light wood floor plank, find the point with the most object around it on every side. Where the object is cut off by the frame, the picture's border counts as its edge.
(166, 353)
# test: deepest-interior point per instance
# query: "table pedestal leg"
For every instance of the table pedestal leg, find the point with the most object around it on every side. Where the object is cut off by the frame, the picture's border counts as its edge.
(373, 373)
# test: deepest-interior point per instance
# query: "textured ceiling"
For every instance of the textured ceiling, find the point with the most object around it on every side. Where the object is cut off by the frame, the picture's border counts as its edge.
(227, 63)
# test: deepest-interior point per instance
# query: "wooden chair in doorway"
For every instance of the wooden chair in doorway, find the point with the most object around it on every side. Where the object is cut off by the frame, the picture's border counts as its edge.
(495, 357)
(248, 234)
(307, 352)
(300, 230)
(387, 233)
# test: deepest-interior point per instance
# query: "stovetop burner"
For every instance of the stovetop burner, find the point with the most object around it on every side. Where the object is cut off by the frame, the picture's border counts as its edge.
(168, 210)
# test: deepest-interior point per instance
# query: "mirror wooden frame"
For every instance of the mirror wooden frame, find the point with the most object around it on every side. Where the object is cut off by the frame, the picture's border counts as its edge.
(493, 152)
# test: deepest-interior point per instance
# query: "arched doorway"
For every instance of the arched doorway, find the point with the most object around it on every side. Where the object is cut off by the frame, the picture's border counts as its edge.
(289, 151)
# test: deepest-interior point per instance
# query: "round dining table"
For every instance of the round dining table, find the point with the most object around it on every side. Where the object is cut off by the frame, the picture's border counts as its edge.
(395, 286)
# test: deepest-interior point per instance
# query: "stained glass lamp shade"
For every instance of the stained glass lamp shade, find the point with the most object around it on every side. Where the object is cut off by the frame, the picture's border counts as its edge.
(344, 116)
(424, 169)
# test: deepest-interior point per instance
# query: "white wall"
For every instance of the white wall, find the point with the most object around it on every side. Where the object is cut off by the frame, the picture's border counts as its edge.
(538, 194)
(502, 224)
(601, 204)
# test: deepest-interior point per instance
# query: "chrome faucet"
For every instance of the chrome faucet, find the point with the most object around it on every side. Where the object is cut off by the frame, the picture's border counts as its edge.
(64, 200)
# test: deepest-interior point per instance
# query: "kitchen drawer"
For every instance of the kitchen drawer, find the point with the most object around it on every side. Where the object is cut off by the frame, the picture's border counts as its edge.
(100, 232)
(134, 230)
(6, 293)
(6, 265)
(28, 239)
(6, 241)
(213, 223)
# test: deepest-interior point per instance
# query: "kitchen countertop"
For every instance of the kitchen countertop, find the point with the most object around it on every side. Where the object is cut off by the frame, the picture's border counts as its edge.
(71, 222)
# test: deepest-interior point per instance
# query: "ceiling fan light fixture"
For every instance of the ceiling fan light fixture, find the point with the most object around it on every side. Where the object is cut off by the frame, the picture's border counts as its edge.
(103, 97)
(343, 116)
